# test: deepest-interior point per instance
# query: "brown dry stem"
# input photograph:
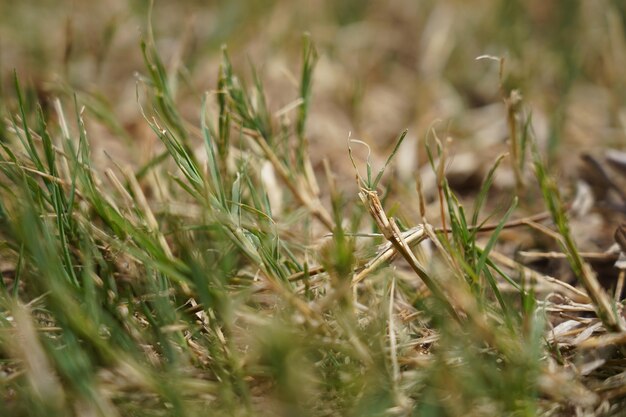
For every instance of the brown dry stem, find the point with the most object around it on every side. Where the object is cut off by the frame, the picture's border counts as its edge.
(390, 231)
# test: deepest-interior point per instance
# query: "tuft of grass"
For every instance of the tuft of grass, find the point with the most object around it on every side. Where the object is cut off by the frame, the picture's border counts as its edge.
(221, 277)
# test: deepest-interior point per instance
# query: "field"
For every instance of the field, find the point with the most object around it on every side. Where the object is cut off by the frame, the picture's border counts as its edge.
(312, 208)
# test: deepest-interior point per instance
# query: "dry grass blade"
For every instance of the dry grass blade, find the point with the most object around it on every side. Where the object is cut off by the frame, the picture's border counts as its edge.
(300, 191)
(388, 252)
(529, 276)
(416, 234)
(390, 230)
(606, 312)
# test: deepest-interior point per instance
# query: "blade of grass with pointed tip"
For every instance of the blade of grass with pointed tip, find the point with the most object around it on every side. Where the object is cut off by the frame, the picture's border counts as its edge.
(494, 237)
(389, 158)
(213, 164)
(484, 189)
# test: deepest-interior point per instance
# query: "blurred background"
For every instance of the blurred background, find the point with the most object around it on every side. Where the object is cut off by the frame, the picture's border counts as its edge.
(384, 66)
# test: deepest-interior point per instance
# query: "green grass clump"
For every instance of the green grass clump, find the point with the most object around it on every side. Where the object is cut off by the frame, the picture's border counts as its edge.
(221, 278)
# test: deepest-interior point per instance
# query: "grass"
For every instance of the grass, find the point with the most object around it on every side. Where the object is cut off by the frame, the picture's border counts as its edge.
(235, 274)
